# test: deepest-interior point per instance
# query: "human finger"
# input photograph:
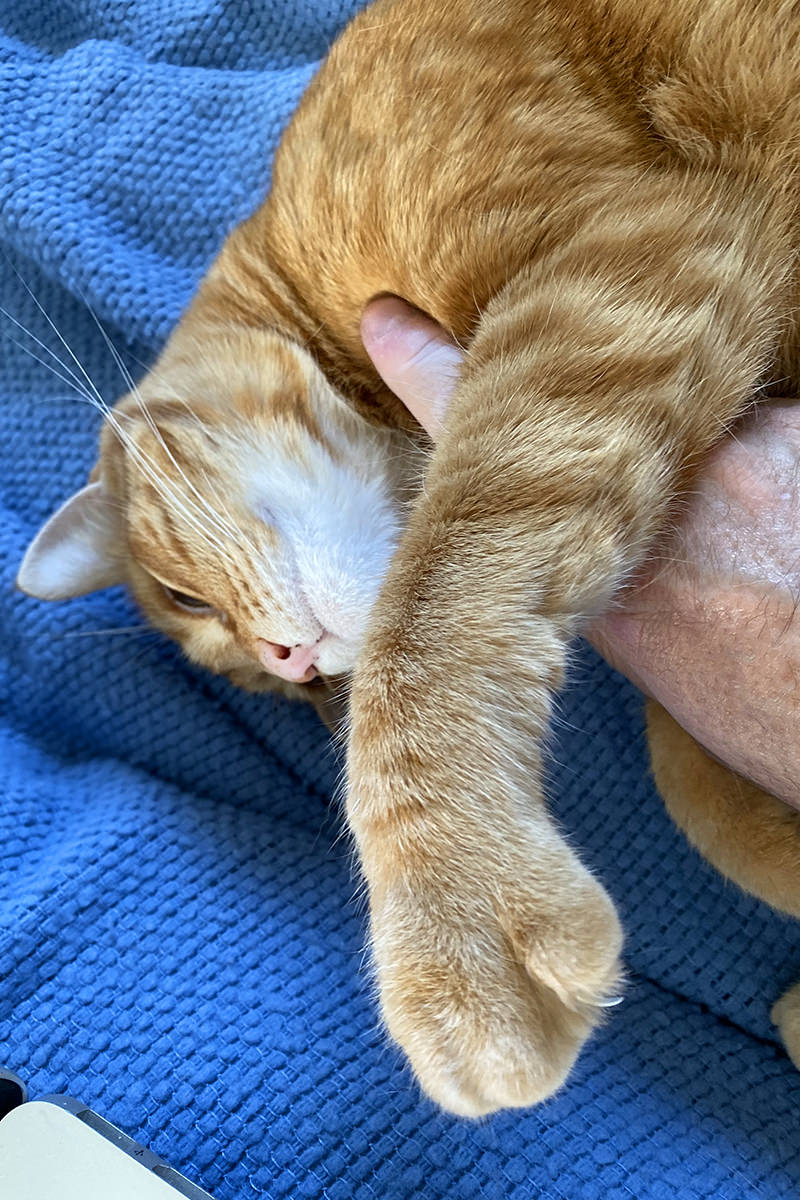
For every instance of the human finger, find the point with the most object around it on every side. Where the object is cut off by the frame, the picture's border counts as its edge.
(414, 356)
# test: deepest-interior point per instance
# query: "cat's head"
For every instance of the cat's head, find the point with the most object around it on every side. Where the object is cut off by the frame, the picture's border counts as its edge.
(251, 511)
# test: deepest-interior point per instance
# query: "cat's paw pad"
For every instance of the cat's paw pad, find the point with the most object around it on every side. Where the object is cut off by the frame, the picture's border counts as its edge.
(492, 1014)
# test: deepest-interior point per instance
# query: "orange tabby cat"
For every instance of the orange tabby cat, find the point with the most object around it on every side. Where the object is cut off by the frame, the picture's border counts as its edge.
(599, 198)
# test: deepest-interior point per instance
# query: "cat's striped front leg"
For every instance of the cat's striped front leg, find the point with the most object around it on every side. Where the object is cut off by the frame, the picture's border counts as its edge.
(593, 380)
(495, 949)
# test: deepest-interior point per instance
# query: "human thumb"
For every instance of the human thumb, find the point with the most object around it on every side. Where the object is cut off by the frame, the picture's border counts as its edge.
(414, 357)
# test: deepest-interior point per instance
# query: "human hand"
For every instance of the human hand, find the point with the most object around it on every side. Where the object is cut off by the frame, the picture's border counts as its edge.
(709, 628)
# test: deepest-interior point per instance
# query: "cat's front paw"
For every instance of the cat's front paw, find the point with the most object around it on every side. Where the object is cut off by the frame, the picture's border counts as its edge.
(492, 996)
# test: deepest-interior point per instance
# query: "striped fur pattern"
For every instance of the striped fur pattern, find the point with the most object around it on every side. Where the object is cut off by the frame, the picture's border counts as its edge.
(599, 199)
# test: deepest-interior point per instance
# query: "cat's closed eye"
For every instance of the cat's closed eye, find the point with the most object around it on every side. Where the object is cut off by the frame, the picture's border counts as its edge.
(190, 604)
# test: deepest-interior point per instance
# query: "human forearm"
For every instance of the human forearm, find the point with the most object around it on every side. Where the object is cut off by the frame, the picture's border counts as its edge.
(712, 632)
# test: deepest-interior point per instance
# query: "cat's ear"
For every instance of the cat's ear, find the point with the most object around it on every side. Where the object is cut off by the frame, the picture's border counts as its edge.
(77, 551)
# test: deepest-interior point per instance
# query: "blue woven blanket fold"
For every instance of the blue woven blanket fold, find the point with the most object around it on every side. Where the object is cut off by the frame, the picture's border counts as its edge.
(179, 941)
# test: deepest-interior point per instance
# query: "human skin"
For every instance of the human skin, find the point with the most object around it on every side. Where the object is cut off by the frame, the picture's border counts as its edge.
(710, 627)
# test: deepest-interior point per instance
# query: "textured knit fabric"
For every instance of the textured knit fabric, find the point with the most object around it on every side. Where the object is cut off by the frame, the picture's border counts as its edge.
(180, 945)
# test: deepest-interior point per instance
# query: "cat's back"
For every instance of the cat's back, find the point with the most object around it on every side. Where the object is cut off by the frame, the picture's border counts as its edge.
(479, 79)
(443, 144)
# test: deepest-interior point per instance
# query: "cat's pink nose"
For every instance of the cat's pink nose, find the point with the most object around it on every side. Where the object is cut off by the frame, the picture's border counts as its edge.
(295, 663)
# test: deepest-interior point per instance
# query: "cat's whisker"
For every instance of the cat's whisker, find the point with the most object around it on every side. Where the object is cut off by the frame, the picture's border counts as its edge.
(219, 512)
(91, 394)
(164, 382)
(222, 511)
(90, 382)
(144, 650)
(42, 345)
(159, 481)
(49, 367)
(112, 631)
(72, 381)
(164, 489)
(100, 405)
(223, 526)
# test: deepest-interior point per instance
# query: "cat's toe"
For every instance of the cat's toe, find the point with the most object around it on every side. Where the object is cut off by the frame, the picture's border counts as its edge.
(573, 950)
(514, 1067)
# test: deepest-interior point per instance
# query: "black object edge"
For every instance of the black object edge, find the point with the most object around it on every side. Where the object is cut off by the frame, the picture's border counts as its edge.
(12, 1092)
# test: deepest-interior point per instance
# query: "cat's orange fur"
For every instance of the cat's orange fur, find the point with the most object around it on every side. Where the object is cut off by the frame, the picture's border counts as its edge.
(599, 198)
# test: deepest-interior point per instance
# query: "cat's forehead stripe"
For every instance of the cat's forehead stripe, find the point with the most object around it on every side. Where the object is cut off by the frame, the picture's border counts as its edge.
(157, 544)
(287, 402)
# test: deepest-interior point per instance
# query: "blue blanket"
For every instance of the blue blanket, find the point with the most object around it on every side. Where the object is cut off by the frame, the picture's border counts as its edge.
(179, 942)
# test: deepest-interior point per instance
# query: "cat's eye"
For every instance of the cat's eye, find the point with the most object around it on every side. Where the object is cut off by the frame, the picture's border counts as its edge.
(190, 604)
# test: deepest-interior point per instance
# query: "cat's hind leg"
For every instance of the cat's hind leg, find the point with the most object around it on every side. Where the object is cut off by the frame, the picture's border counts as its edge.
(786, 1015)
(750, 837)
